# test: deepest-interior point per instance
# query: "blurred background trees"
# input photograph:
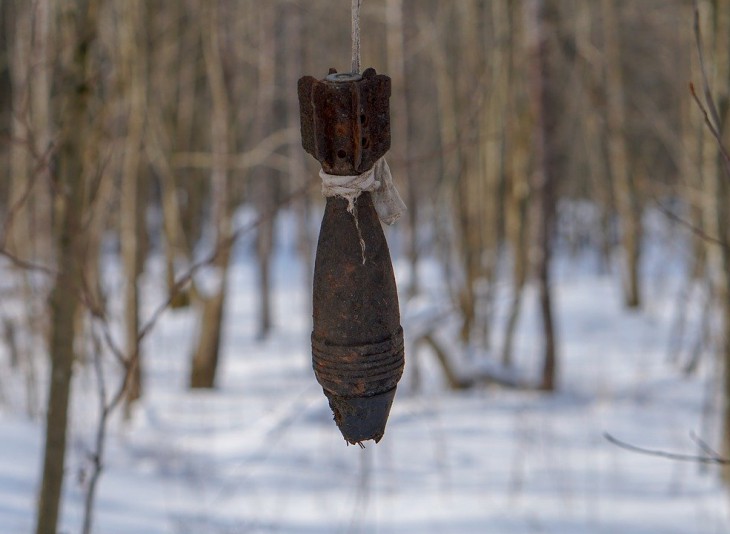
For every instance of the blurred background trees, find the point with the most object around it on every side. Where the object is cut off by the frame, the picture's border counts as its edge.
(522, 131)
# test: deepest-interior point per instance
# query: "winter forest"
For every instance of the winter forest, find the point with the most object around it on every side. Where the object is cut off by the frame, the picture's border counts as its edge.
(563, 268)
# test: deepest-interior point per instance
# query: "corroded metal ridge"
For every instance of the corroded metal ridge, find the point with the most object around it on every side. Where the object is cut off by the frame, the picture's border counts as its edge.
(357, 340)
(345, 123)
(364, 370)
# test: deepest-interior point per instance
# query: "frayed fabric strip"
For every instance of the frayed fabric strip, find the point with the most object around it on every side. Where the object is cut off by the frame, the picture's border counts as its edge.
(378, 180)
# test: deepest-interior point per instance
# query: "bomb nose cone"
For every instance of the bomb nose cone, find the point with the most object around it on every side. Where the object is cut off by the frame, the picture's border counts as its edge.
(361, 418)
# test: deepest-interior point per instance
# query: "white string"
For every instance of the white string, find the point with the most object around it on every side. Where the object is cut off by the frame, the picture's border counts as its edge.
(356, 36)
(378, 180)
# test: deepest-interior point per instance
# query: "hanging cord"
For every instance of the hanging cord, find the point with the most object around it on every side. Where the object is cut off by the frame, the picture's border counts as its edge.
(378, 180)
(356, 36)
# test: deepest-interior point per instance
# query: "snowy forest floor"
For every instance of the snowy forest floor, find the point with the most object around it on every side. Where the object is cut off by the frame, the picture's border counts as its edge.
(262, 454)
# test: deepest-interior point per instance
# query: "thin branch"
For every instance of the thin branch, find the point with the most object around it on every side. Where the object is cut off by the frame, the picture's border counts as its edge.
(713, 129)
(702, 444)
(27, 265)
(182, 281)
(716, 125)
(705, 79)
(106, 408)
(711, 458)
(97, 455)
(699, 232)
(42, 162)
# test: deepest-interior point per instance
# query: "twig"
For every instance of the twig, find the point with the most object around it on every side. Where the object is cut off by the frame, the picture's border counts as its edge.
(703, 70)
(712, 127)
(106, 408)
(25, 264)
(126, 360)
(711, 458)
(699, 232)
(182, 281)
(42, 162)
(702, 444)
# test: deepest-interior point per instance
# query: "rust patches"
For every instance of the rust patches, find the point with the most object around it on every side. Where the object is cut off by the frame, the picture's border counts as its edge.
(345, 125)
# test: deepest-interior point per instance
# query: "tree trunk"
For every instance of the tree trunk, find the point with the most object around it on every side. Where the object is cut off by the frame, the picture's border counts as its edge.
(518, 130)
(297, 168)
(264, 182)
(709, 167)
(461, 161)
(28, 232)
(40, 98)
(625, 193)
(493, 154)
(542, 22)
(131, 208)
(172, 227)
(401, 142)
(19, 205)
(205, 359)
(718, 193)
(723, 212)
(169, 116)
(449, 160)
(591, 74)
(693, 131)
(78, 32)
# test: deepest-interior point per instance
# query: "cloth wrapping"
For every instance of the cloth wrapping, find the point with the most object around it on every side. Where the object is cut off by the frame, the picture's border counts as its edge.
(378, 181)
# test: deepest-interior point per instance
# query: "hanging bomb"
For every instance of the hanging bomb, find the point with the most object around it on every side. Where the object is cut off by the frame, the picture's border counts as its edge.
(357, 340)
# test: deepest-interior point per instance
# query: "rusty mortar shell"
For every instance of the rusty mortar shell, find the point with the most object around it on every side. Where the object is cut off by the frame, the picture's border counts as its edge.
(357, 339)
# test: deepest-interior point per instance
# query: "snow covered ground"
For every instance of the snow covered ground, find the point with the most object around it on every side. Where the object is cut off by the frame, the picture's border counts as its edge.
(262, 454)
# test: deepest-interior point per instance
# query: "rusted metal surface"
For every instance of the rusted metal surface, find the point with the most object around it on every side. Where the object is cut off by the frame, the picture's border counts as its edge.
(357, 340)
(346, 122)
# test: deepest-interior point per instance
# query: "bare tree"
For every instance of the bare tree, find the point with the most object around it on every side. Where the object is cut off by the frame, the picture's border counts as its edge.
(77, 32)
(264, 186)
(396, 35)
(715, 27)
(623, 183)
(133, 58)
(541, 21)
(205, 359)
(517, 132)
(297, 167)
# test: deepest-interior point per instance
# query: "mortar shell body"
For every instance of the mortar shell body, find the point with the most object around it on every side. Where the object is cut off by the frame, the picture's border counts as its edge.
(357, 339)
